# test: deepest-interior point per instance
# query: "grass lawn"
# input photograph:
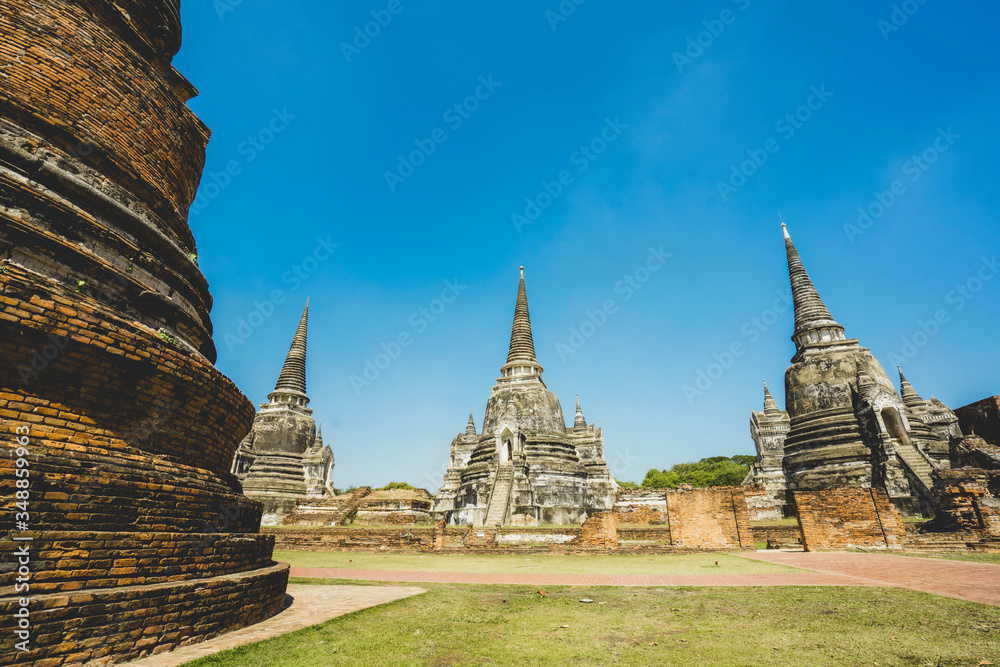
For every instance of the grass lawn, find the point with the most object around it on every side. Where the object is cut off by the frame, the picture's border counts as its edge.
(776, 522)
(573, 564)
(514, 626)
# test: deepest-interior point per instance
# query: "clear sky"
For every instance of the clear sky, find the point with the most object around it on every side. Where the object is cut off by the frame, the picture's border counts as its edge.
(598, 145)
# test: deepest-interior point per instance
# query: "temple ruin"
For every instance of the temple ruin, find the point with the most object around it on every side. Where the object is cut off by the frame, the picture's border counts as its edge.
(526, 467)
(137, 536)
(283, 459)
(769, 428)
(847, 424)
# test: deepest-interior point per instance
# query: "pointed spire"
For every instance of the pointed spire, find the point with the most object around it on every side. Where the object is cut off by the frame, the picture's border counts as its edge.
(522, 347)
(470, 428)
(909, 395)
(579, 422)
(770, 406)
(293, 373)
(810, 312)
(318, 442)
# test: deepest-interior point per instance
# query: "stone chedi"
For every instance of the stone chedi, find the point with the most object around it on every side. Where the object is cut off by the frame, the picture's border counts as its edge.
(137, 537)
(848, 426)
(768, 429)
(526, 467)
(283, 460)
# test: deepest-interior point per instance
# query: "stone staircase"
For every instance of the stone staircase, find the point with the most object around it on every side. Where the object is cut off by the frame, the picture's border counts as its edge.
(500, 498)
(917, 464)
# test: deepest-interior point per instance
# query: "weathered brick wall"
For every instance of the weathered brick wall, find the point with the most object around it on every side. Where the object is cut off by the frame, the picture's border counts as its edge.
(393, 511)
(782, 536)
(336, 511)
(357, 539)
(981, 418)
(642, 506)
(600, 531)
(848, 518)
(112, 379)
(709, 518)
(77, 560)
(972, 451)
(78, 72)
(119, 624)
(960, 494)
(106, 345)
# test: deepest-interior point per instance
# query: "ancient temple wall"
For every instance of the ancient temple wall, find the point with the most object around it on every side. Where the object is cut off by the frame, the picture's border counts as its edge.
(848, 518)
(709, 518)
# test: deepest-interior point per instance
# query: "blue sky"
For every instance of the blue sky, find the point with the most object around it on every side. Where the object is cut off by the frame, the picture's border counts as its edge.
(588, 146)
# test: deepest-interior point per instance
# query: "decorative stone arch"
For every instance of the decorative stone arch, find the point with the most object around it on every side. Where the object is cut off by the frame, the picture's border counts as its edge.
(890, 415)
(505, 444)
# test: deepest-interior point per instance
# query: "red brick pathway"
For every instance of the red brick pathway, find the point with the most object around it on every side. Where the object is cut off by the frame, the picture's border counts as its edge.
(978, 582)
(542, 579)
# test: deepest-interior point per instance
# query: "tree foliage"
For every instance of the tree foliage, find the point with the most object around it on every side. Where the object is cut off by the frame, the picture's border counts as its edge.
(397, 485)
(627, 485)
(711, 471)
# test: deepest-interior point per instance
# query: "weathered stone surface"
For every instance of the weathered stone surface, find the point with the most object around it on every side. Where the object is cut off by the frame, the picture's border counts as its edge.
(283, 460)
(847, 425)
(526, 463)
(769, 429)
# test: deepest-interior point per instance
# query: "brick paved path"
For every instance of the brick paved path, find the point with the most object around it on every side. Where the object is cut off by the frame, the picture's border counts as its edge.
(311, 605)
(542, 579)
(978, 582)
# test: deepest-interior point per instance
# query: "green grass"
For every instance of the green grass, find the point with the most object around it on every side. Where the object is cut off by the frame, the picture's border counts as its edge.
(453, 625)
(776, 522)
(574, 564)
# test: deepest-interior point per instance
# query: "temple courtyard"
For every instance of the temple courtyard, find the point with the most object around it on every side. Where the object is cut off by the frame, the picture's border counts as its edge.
(779, 607)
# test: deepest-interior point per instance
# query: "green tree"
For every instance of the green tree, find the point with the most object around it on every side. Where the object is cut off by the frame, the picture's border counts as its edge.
(710, 471)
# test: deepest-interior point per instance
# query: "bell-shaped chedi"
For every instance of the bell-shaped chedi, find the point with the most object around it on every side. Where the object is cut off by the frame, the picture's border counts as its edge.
(526, 467)
(125, 426)
(847, 424)
(283, 459)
